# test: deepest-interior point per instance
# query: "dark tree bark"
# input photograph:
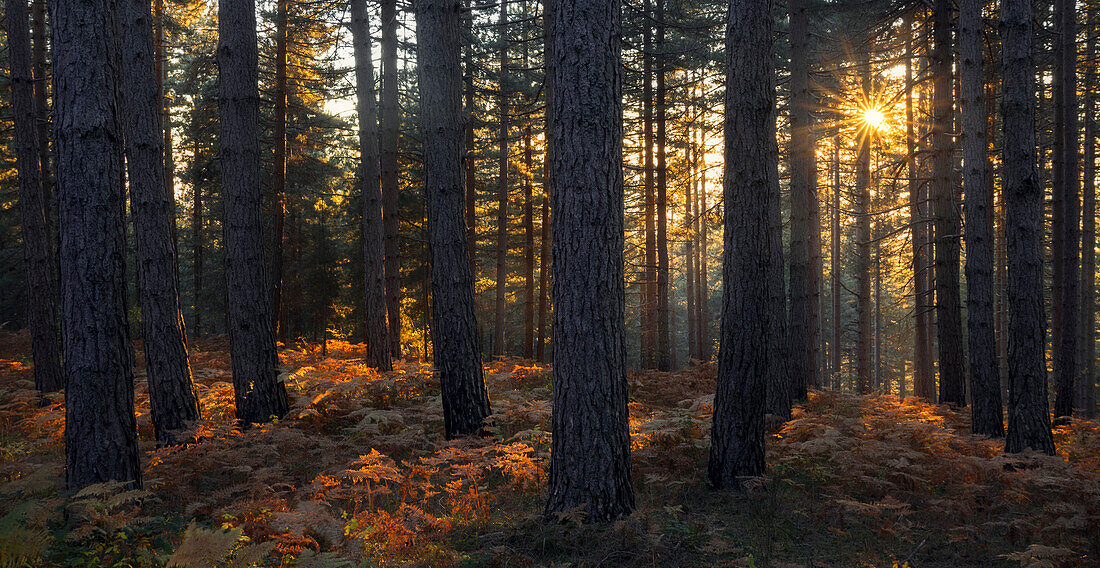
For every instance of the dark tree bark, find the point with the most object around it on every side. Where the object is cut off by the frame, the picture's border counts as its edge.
(374, 286)
(985, 388)
(502, 189)
(258, 394)
(737, 442)
(454, 328)
(100, 427)
(590, 450)
(172, 399)
(649, 272)
(922, 357)
(948, 308)
(1029, 418)
(468, 128)
(834, 269)
(42, 119)
(38, 251)
(528, 245)
(804, 297)
(160, 58)
(863, 241)
(1086, 390)
(198, 240)
(278, 168)
(1066, 370)
(390, 127)
(689, 250)
(664, 327)
(544, 273)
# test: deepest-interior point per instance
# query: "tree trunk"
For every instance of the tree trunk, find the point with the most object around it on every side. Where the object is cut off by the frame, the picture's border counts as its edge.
(803, 324)
(197, 238)
(374, 287)
(1029, 418)
(454, 328)
(278, 171)
(863, 241)
(390, 126)
(100, 426)
(737, 442)
(528, 246)
(922, 376)
(1066, 371)
(985, 389)
(501, 282)
(38, 251)
(590, 449)
(544, 272)
(689, 251)
(1087, 344)
(164, 107)
(664, 343)
(258, 394)
(468, 129)
(834, 269)
(702, 283)
(172, 398)
(42, 120)
(649, 280)
(948, 309)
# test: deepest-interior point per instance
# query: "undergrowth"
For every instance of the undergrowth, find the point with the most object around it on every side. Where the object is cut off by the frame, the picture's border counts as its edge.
(358, 474)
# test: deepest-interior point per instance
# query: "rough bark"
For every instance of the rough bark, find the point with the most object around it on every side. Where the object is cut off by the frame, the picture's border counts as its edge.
(528, 246)
(468, 127)
(278, 168)
(172, 398)
(501, 252)
(390, 127)
(985, 389)
(1086, 390)
(590, 449)
(39, 256)
(922, 375)
(649, 280)
(100, 426)
(1066, 370)
(862, 208)
(42, 118)
(948, 308)
(834, 269)
(454, 328)
(258, 395)
(664, 327)
(737, 442)
(1029, 418)
(374, 286)
(803, 313)
(198, 240)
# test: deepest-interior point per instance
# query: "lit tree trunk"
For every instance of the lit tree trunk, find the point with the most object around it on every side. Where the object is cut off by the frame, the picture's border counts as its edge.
(985, 389)
(161, 66)
(468, 128)
(502, 188)
(737, 442)
(544, 271)
(38, 251)
(454, 327)
(197, 239)
(649, 281)
(258, 394)
(863, 242)
(590, 448)
(528, 246)
(1029, 418)
(1087, 344)
(100, 426)
(172, 397)
(1066, 371)
(702, 282)
(390, 126)
(689, 253)
(948, 309)
(664, 343)
(278, 173)
(922, 375)
(374, 286)
(803, 324)
(834, 269)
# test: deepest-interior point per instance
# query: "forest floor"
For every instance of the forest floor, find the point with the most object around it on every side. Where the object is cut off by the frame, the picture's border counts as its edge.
(358, 474)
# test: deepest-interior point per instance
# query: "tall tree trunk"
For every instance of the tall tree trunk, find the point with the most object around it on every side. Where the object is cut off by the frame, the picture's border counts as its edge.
(528, 246)
(649, 280)
(922, 375)
(278, 171)
(664, 339)
(544, 272)
(164, 107)
(100, 426)
(834, 269)
(1029, 418)
(702, 281)
(42, 120)
(198, 241)
(390, 127)
(689, 251)
(863, 240)
(374, 286)
(737, 442)
(1087, 344)
(454, 327)
(804, 315)
(501, 282)
(948, 309)
(1066, 370)
(172, 397)
(590, 449)
(38, 251)
(468, 129)
(985, 389)
(258, 394)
